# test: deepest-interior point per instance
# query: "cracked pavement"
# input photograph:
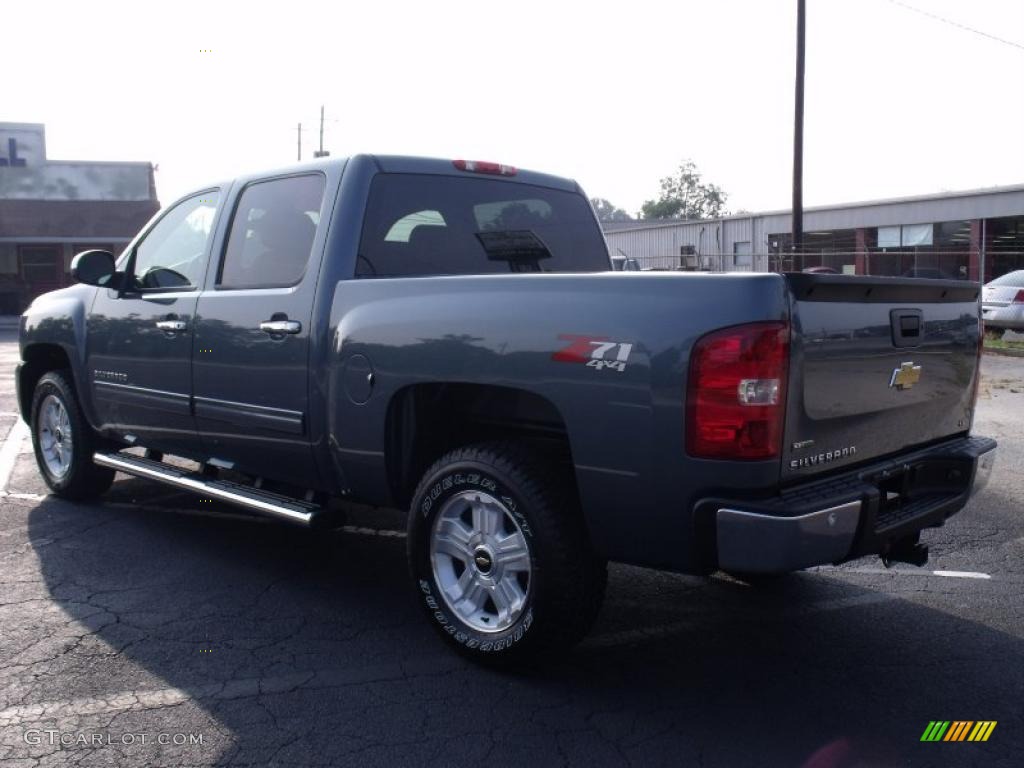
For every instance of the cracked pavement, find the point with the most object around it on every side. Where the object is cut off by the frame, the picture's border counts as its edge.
(150, 613)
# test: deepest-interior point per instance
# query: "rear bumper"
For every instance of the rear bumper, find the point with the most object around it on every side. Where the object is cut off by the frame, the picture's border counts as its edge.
(847, 516)
(1009, 316)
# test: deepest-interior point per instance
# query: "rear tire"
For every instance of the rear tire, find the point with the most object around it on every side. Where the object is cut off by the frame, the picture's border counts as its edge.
(64, 442)
(499, 555)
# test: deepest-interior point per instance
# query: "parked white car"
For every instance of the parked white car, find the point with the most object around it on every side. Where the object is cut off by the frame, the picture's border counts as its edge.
(1002, 303)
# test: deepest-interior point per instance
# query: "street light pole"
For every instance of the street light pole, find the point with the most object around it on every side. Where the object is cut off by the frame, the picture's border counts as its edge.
(798, 135)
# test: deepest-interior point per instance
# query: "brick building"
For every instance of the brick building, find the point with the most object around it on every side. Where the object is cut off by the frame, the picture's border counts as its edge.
(51, 209)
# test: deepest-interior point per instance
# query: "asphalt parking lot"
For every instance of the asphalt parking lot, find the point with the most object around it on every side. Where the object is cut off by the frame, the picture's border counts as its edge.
(155, 617)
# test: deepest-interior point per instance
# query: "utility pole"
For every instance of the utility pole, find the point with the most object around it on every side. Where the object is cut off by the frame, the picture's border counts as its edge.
(981, 275)
(321, 152)
(798, 135)
(300, 142)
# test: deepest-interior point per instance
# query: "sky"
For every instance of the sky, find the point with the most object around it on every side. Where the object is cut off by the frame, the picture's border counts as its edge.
(614, 95)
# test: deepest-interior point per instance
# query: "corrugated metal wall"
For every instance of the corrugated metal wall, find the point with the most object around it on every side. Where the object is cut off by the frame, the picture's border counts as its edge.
(714, 243)
(715, 240)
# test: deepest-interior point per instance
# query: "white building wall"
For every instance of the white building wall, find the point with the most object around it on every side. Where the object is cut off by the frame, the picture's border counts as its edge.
(713, 241)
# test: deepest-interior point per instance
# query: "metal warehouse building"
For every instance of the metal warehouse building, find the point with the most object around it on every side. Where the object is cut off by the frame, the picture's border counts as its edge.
(943, 235)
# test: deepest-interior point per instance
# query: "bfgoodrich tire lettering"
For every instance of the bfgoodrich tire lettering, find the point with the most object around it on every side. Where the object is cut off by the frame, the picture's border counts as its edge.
(539, 552)
(69, 472)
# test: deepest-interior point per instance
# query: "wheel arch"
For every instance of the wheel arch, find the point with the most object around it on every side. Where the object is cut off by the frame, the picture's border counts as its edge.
(36, 361)
(426, 420)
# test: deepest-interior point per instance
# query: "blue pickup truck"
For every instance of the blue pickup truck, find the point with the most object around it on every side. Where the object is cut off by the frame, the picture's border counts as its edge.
(448, 338)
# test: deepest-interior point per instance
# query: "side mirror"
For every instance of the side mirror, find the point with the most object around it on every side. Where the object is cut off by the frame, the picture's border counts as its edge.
(94, 268)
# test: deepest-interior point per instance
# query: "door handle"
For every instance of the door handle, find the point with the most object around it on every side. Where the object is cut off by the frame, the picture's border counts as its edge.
(274, 327)
(171, 325)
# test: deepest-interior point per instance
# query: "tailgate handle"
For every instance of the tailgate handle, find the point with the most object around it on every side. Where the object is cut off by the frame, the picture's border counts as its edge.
(907, 327)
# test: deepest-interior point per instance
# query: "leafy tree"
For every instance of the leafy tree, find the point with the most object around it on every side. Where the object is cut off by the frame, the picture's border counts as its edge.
(686, 196)
(606, 211)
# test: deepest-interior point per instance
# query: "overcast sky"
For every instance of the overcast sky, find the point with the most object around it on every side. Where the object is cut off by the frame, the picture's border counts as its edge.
(614, 95)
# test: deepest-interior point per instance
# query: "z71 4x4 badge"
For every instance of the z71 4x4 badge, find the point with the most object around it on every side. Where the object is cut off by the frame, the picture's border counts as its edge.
(594, 352)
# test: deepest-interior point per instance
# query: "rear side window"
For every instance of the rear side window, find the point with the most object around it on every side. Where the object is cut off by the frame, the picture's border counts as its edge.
(447, 225)
(272, 233)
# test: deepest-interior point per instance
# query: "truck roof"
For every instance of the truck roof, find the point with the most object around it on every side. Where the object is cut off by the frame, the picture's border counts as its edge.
(397, 164)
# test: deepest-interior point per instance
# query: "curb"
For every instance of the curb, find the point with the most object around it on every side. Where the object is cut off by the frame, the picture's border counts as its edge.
(1004, 352)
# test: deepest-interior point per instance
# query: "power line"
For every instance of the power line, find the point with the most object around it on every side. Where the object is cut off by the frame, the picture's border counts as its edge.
(957, 24)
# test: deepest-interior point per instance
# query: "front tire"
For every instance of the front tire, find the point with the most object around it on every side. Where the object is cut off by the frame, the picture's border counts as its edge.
(499, 555)
(64, 442)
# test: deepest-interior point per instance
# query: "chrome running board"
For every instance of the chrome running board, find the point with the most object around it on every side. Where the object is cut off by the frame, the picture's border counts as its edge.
(293, 510)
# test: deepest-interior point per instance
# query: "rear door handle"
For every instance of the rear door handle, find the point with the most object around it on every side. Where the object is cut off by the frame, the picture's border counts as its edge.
(275, 327)
(171, 325)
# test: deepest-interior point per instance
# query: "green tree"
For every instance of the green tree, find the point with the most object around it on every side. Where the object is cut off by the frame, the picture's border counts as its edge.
(606, 211)
(686, 196)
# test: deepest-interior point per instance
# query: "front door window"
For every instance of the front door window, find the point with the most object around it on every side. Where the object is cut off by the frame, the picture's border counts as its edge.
(172, 255)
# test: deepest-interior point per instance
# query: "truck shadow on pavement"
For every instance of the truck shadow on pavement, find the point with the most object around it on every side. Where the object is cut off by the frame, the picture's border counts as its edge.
(306, 652)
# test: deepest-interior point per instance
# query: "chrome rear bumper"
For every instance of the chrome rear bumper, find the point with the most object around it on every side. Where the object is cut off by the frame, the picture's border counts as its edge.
(748, 541)
(775, 540)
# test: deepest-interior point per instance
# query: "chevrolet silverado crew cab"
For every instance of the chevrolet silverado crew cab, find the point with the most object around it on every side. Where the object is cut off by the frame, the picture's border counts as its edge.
(449, 338)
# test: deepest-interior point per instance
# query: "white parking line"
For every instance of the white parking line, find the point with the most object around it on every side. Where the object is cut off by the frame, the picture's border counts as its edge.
(963, 574)
(901, 572)
(28, 496)
(10, 451)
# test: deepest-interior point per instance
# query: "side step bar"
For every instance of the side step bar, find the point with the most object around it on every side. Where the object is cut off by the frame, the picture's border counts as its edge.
(266, 502)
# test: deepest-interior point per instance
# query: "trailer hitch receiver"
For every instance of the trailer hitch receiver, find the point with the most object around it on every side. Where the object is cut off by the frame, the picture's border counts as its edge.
(908, 550)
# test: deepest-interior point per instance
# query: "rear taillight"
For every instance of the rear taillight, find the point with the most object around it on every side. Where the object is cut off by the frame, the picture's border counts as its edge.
(482, 166)
(736, 392)
(1019, 298)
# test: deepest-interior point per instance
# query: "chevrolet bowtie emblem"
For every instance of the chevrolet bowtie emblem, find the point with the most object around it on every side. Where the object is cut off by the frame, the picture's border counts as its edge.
(906, 376)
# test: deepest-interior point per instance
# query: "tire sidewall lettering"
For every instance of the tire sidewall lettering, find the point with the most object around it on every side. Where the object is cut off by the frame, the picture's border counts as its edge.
(448, 484)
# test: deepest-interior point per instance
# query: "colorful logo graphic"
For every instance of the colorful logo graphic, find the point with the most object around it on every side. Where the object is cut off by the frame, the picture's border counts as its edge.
(906, 376)
(958, 730)
(594, 352)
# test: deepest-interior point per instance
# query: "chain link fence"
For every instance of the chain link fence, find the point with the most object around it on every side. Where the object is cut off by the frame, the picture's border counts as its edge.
(950, 265)
(715, 262)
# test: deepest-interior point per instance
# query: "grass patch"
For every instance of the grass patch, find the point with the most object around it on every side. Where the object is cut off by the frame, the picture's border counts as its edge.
(1004, 344)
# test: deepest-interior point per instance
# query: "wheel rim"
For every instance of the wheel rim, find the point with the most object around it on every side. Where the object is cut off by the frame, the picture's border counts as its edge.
(55, 438)
(481, 561)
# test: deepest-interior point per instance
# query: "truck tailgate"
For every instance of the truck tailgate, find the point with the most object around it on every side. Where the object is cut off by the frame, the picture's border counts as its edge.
(878, 365)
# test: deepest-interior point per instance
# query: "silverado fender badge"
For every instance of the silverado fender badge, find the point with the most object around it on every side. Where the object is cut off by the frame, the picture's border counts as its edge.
(594, 352)
(906, 376)
(99, 375)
